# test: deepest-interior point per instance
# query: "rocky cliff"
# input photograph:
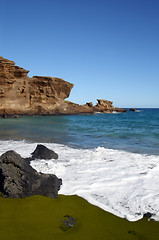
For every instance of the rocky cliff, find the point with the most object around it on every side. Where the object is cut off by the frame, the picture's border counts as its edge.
(22, 95)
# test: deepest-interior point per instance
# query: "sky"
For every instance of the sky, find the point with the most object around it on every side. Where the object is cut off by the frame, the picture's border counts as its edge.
(109, 49)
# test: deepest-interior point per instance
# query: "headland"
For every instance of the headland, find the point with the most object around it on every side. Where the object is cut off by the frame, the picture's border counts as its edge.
(40, 95)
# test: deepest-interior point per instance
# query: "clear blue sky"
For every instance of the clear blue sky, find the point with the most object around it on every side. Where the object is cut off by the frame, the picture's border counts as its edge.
(108, 48)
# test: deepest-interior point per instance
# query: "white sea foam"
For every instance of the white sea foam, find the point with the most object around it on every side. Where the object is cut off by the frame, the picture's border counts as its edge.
(123, 183)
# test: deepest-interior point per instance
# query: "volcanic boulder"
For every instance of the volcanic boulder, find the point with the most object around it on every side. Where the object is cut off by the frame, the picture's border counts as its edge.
(42, 152)
(18, 179)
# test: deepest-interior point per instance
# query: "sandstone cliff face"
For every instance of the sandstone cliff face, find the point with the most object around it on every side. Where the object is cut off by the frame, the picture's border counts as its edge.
(20, 94)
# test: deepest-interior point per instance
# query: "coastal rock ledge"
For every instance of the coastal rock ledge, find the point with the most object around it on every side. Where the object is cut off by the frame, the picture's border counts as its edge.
(40, 95)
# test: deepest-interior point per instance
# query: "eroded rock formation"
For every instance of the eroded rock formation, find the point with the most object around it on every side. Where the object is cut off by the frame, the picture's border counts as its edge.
(103, 106)
(21, 95)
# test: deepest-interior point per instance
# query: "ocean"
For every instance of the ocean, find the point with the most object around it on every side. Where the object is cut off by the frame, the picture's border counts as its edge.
(111, 160)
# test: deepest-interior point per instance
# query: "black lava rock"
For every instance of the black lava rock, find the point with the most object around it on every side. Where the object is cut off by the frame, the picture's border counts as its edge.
(42, 152)
(68, 223)
(18, 179)
(133, 109)
(148, 215)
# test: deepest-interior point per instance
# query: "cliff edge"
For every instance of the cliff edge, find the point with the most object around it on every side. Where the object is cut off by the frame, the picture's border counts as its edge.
(40, 95)
(20, 94)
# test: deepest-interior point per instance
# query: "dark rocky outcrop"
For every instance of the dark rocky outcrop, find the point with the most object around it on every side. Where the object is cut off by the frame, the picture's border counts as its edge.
(42, 152)
(148, 215)
(40, 95)
(132, 109)
(18, 179)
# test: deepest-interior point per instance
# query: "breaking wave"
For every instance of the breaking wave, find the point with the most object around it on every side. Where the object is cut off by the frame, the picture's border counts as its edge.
(123, 183)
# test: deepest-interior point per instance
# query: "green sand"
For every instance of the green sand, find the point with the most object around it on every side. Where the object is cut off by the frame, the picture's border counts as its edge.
(38, 217)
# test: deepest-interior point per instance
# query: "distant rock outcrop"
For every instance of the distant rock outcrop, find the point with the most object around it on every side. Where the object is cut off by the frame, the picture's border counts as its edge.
(133, 109)
(18, 179)
(39, 95)
(103, 106)
(106, 106)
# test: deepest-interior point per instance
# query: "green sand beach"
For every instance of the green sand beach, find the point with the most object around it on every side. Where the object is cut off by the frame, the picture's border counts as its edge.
(41, 218)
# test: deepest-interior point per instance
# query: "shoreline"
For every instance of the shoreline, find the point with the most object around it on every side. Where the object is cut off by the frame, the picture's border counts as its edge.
(72, 164)
(39, 218)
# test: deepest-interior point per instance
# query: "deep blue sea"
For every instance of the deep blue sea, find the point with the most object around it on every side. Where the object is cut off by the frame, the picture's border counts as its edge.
(111, 160)
(131, 131)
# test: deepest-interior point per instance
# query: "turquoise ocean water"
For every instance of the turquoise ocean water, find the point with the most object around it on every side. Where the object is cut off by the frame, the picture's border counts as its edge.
(131, 131)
